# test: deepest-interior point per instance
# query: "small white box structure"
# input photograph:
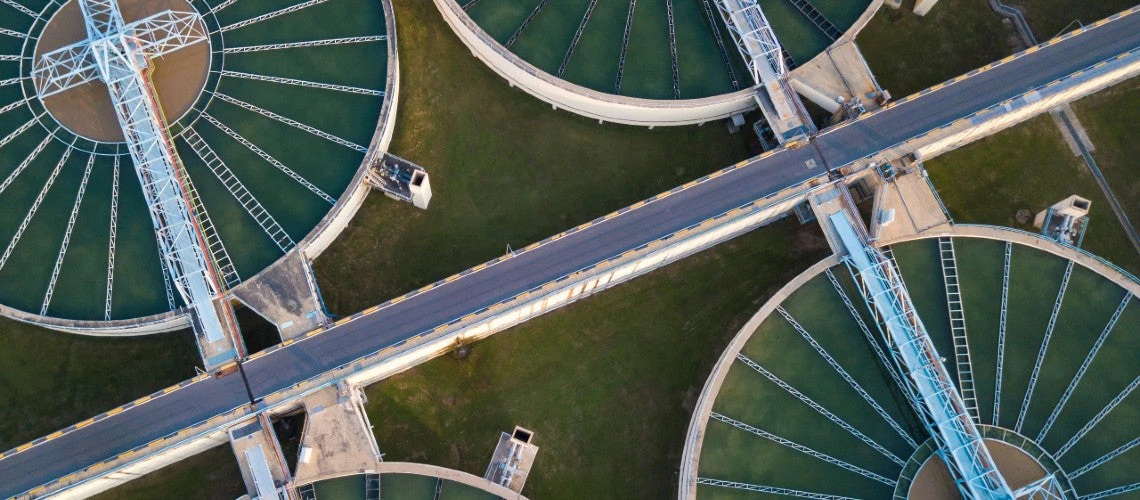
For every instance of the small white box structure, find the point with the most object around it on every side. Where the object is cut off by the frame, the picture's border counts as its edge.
(513, 458)
(1065, 221)
(420, 188)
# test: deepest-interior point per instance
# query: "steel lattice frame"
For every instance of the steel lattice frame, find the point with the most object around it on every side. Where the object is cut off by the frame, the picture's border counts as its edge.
(942, 408)
(754, 38)
(151, 37)
(118, 53)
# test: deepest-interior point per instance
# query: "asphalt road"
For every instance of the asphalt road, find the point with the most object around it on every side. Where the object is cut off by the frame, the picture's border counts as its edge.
(182, 408)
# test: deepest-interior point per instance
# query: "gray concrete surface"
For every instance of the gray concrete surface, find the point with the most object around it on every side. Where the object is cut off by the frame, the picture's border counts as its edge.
(283, 295)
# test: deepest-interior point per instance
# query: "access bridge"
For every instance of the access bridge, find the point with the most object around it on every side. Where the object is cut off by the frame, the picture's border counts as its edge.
(579, 261)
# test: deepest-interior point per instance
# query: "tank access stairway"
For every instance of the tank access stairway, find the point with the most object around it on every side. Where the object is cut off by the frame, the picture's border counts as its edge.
(930, 387)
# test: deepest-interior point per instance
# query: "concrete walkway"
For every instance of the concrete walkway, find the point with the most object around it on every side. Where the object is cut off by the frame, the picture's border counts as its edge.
(1070, 123)
(449, 475)
(337, 440)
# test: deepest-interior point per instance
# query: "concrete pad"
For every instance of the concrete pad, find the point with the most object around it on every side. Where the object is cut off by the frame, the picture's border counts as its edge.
(830, 200)
(840, 72)
(1082, 137)
(285, 294)
(338, 438)
(223, 351)
(915, 204)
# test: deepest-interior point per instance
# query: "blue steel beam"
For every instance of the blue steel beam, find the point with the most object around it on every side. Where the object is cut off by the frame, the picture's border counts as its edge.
(944, 411)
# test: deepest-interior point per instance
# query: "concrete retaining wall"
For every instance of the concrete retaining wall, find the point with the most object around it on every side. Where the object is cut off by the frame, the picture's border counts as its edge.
(1032, 104)
(1002, 115)
(150, 464)
(146, 325)
(581, 100)
(450, 475)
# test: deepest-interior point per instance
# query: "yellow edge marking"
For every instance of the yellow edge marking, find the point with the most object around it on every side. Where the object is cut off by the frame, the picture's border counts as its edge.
(399, 299)
(451, 278)
(372, 309)
(142, 400)
(115, 411)
(84, 423)
(314, 332)
(479, 267)
(54, 435)
(637, 205)
(342, 321)
(288, 342)
(23, 447)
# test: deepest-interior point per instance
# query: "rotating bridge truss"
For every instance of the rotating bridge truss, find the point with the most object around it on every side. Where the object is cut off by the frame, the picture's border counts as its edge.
(119, 54)
(762, 52)
(945, 414)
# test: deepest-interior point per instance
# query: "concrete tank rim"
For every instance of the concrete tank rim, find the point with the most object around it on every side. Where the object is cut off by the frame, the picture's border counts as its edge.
(621, 109)
(429, 470)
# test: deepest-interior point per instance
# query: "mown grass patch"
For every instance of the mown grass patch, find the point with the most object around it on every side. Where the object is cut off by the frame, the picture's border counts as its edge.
(608, 384)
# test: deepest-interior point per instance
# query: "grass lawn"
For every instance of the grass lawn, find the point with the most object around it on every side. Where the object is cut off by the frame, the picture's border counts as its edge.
(908, 53)
(210, 475)
(49, 380)
(1110, 117)
(607, 384)
(505, 169)
(1048, 18)
(1028, 166)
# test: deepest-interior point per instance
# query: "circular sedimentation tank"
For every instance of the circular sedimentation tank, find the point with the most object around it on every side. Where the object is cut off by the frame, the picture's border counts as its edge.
(290, 101)
(801, 402)
(614, 59)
